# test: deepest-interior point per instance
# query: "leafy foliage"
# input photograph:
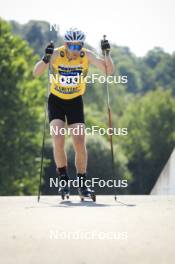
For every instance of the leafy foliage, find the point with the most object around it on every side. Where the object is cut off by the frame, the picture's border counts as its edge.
(150, 121)
(37, 34)
(20, 111)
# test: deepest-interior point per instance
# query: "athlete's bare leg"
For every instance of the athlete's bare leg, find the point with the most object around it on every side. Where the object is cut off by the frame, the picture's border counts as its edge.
(58, 143)
(79, 144)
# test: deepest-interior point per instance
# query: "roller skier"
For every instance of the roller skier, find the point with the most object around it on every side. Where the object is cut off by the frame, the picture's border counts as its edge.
(65, 102)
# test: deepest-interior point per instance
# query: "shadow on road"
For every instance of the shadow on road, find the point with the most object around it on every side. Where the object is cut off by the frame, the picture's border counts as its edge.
(125, 204)
(86, 203)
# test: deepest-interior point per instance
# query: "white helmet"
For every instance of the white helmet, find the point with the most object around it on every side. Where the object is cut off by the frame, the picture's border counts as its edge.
(74, 35)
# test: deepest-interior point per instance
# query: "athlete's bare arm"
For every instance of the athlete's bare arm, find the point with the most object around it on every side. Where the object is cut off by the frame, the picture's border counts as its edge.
(102, 64)
(41, 66)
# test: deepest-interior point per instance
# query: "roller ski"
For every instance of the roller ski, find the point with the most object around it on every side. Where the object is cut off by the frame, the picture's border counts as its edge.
(84, 191)
(64, 192)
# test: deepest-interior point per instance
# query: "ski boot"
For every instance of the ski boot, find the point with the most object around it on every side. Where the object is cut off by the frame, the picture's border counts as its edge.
(64, 189)
(83, 190)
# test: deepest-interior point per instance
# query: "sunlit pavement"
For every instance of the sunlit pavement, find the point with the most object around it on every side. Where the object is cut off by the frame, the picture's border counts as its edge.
(137, 229)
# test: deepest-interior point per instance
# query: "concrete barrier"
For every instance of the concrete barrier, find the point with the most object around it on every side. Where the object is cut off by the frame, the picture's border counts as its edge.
(166, 182)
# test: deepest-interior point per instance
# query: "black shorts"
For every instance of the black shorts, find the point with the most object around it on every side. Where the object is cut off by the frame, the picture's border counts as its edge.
(71, 110)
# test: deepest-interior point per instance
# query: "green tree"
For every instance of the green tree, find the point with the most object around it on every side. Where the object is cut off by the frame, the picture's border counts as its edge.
(150, 121)
(37, 34)
(21, 115)
(157, 70)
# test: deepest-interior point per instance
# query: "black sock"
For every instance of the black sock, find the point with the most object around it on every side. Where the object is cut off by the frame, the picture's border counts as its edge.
(81, 177)
(62, 172)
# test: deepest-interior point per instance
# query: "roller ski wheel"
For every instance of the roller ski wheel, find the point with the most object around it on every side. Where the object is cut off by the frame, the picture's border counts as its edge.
(63, 196)
(93, 197)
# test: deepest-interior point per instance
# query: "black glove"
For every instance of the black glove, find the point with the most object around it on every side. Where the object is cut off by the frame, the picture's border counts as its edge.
(105, 46)
(48, 52)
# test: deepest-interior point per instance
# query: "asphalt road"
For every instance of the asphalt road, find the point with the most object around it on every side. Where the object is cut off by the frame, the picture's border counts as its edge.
(140, 230)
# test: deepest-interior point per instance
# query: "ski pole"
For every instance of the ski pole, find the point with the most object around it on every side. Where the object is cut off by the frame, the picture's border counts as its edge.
(43, 140)
(109, 118)
(44, 133)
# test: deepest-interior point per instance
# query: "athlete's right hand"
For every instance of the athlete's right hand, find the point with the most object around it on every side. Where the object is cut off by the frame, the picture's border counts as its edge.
(49, 49)
(48, 52)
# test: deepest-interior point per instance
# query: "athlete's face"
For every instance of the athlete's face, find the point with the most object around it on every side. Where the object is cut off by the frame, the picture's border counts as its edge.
(74, 49)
